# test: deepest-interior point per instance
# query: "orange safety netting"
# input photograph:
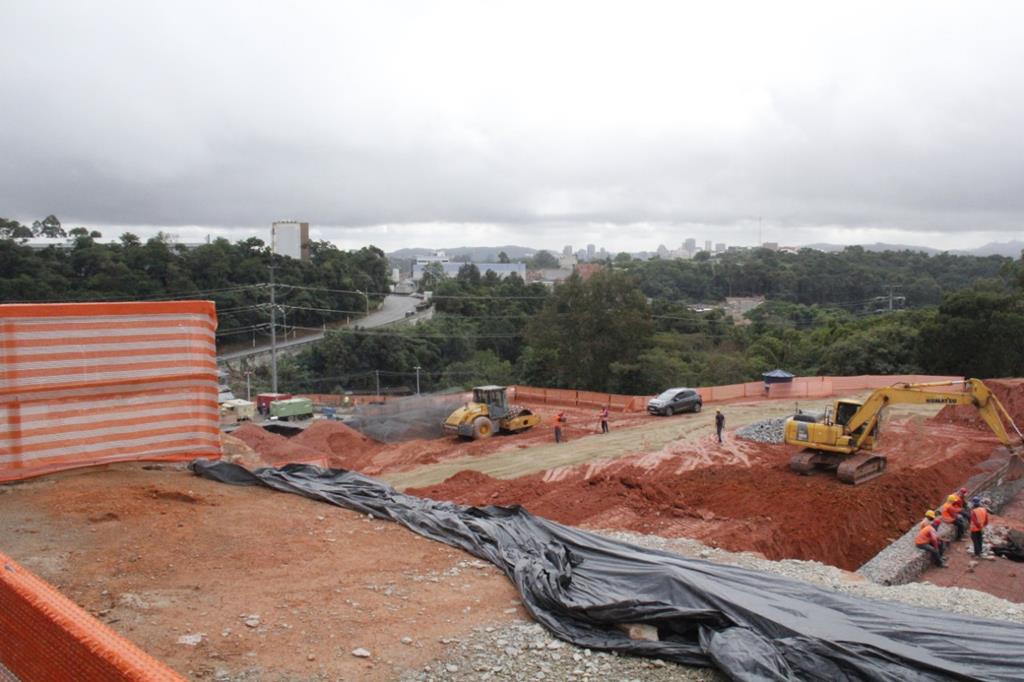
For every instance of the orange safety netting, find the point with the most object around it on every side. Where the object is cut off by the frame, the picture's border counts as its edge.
(93, 383)
(45, 636)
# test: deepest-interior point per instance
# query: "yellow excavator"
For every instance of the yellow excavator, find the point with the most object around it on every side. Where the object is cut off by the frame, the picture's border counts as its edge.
(843, 438)
(488, 412)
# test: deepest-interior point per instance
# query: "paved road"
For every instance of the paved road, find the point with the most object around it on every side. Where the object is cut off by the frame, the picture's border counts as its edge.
(392, 309)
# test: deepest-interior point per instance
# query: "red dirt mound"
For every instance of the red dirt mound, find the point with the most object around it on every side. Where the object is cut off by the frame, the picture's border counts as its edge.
(766, 508)
(344, 446)
(275, 449)
(1010, 393)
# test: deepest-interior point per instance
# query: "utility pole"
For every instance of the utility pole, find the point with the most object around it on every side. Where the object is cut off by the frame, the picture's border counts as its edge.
(248, 385)
(892, 298)
(376, 375)
(417, 368)
(273, 334)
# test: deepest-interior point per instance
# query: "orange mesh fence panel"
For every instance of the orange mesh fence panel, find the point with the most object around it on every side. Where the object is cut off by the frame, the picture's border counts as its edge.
(556, 396)
(93, 383)
(592, 398)
(45, 636)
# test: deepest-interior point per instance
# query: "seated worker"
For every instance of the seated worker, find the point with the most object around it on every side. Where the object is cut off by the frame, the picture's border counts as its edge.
(928, 540)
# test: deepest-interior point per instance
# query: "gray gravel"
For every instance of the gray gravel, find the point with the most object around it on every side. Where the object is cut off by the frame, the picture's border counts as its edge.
(765, 431)
(525, 651)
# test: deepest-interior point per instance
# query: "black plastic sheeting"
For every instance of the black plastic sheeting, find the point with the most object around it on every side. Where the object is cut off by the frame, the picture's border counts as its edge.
(753, 626)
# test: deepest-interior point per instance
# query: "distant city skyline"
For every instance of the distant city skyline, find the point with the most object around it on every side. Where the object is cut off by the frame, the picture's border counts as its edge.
(646, 238)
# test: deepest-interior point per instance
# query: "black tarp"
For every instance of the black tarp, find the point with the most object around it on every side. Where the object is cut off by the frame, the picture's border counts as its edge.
(754, 626)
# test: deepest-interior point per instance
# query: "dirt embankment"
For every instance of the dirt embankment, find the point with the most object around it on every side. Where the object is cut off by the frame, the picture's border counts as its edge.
(1010, 393)
(757, 504)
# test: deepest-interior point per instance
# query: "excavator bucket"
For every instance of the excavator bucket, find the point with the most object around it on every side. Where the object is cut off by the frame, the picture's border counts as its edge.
(1015, 467)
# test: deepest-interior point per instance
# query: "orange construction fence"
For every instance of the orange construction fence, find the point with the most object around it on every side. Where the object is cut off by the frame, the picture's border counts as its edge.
(800, 387)
(45, 636)
(93, 383)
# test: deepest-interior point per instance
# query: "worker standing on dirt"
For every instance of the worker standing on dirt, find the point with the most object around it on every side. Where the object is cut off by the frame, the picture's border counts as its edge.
(719, 424)
(559, 421)
(603, 416)
(951, 515)
(965, 509)
(928, 541)
(979, 519)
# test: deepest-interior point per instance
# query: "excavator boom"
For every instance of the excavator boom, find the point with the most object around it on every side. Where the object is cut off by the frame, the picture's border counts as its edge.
(845, 443)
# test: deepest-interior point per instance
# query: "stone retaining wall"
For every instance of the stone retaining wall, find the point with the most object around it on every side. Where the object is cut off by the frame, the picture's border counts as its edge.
(902, 562)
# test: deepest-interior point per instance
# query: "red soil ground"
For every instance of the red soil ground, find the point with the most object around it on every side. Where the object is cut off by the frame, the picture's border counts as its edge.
(275, 449)
(762, 507)
(738, 495)
(332, 443)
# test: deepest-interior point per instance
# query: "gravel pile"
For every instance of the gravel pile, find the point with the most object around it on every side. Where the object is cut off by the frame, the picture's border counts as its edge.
(766, 431)
(525, 651)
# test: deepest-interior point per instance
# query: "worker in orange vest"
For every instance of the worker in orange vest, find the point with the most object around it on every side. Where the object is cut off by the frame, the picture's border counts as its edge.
(979, 520)
(951, 515)
(560, 419)
(928, 540)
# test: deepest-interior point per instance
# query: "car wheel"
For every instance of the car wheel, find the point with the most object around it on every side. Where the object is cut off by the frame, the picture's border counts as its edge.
(696, 407)
(669, 411)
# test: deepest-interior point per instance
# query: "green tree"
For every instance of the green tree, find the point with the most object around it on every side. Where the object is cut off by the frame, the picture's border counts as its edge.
(542, 260)
(977, 332)
(503, 258)
(589, 325)
(49, 227)
(484, 367)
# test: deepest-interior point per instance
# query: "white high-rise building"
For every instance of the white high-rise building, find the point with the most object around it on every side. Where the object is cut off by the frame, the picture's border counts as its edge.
(707, 245)
(290, 238)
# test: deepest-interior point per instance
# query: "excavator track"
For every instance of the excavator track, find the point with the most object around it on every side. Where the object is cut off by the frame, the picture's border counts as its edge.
(860, 468)
(806, 461)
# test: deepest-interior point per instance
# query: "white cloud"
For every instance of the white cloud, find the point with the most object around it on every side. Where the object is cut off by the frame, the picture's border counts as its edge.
(538, 122)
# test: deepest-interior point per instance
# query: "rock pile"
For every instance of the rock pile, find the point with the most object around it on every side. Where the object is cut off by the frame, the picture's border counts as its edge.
(767, 431)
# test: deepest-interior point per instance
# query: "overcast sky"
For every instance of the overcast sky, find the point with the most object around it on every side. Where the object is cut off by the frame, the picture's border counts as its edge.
(440, 124)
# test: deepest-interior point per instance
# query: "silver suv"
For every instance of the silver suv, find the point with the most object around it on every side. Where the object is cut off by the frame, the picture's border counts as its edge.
(676, 400)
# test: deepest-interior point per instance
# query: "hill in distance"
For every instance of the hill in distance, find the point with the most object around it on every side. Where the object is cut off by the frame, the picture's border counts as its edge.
(478, 254)
(1010, 249)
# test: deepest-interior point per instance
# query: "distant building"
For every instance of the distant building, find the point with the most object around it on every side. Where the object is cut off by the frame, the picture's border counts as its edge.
(663, 251)
(290, 238)
(567, 262)
(39, 243)
(436, 257)
(771, 246)
(591, 250)
(567, 250)
(550, 276)
(451, 269)
(707, 245)
(587, 270)
(720, 247)
(690, 245)
(581, 256)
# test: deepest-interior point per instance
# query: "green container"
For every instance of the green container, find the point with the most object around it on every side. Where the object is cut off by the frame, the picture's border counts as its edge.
(293, 408)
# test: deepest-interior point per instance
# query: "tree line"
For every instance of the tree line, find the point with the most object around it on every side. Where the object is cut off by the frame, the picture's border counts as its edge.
(630, 328)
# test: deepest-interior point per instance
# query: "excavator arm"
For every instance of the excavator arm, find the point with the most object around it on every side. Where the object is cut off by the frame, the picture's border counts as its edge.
(847, 446)
(975, 393)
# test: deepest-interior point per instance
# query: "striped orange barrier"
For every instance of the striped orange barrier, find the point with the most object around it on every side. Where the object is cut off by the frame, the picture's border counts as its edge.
(93, 383)
(45, 636)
